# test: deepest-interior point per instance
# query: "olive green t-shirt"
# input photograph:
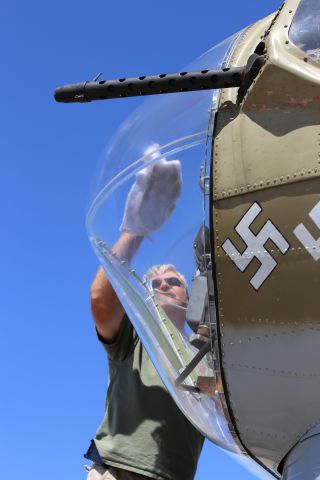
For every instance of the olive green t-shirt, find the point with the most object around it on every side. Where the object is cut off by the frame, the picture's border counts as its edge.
(143, 430)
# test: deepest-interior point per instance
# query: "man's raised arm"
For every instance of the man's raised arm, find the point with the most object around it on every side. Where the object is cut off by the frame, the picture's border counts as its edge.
(150, 202)
(106, 308)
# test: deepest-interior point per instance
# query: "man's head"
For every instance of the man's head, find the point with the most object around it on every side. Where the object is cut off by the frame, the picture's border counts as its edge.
(171, 290)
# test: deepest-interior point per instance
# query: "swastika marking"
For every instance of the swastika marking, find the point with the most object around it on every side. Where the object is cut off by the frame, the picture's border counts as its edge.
(304, 236)
(255, 246)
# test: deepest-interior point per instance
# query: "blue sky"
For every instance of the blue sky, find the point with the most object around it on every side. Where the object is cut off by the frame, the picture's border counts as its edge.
(54, 372)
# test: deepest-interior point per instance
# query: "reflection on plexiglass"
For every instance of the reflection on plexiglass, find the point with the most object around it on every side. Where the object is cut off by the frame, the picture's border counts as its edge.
(305, 29)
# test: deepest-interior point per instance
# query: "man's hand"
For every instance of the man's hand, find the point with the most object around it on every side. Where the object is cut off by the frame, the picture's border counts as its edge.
(152, 197)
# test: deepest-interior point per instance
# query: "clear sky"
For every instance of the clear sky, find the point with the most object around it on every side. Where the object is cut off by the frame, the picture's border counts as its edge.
(54, 373)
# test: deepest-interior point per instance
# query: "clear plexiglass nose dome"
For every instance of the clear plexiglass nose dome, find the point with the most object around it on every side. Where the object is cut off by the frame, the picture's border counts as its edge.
(150, 202)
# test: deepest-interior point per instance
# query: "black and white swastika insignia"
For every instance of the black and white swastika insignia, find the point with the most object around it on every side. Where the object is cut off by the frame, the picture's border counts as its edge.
(304, 236)
(255, 246)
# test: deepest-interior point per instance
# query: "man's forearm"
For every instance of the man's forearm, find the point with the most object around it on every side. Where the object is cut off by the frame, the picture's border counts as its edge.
(126, 246)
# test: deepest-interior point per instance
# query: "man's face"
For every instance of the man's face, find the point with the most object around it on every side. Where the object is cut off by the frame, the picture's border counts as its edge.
(169, 288)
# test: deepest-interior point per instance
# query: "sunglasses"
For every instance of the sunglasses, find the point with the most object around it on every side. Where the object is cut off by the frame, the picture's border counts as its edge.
(171, 281)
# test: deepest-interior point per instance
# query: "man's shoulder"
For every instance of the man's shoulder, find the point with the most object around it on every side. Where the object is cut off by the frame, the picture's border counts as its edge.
(124, 344)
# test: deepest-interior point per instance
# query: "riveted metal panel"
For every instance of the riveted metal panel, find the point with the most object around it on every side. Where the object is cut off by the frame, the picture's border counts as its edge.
(266, 228)
(270, 335)
(280, 114)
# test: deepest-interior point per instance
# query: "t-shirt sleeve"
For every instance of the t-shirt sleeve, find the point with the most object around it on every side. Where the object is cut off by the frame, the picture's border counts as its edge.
(124, 343)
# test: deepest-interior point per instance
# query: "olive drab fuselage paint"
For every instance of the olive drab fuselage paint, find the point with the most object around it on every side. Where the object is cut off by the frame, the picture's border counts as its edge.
(266, 222)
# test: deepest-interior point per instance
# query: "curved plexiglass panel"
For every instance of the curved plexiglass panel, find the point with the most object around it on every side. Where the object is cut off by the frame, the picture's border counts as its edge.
(147, 224)
(305, 29)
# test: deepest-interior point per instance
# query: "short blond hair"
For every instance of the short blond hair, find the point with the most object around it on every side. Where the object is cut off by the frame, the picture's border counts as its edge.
(163, 268)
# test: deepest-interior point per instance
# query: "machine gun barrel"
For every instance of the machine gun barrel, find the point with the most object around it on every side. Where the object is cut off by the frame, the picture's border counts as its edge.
(151, 85)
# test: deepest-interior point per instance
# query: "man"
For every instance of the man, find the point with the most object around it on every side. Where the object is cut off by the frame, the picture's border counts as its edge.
(143, 434)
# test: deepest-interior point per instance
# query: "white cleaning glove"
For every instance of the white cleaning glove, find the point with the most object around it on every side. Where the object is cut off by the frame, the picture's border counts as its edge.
(152, 197)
